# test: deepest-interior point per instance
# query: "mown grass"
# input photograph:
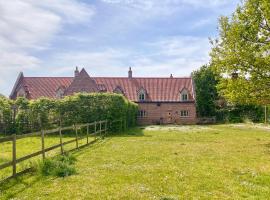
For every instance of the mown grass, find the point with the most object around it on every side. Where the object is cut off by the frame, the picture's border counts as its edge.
(31, 145)
(182, 162)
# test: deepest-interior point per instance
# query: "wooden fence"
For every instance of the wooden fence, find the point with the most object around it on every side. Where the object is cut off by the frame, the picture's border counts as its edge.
(100, 129)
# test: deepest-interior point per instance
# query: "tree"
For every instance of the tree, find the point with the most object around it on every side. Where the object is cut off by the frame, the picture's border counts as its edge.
(241, 54)
(206, 92)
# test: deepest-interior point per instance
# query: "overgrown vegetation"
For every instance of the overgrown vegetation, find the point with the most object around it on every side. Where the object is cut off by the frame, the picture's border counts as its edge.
(60, 166)
(211, 104)
(22, 115)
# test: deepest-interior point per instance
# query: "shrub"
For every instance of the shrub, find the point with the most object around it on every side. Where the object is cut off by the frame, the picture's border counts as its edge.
(60, 166)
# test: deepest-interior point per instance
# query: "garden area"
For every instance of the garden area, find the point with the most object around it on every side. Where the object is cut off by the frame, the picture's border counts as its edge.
(162, 162)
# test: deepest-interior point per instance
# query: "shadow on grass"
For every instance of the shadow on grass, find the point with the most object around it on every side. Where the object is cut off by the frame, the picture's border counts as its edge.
(132, 132)
(18, 185)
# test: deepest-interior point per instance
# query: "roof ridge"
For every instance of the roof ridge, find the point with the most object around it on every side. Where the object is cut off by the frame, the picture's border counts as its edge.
(143, 77)
(48, 77)
(110, 77)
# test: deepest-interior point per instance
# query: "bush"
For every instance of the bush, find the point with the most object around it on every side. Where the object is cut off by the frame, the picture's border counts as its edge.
(241, 113)
(60, 166)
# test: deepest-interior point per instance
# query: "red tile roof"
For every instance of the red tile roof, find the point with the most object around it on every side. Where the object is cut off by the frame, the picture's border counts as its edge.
(157, 89)
(45, 86)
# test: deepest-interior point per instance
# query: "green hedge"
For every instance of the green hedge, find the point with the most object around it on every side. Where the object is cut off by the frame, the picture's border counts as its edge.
(241, 113)
(47, 113)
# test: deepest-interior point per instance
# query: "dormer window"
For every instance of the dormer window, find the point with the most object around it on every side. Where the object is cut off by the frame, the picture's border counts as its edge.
(118, 90)
(60, 92)
(184, 95)
(21, 93)
(142, 95)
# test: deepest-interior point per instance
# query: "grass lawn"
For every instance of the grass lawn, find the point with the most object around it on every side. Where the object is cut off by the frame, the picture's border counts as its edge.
(31, 145)
(173, 162)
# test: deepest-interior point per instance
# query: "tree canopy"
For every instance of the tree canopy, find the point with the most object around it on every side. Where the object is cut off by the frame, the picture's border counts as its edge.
(206, 92)
(241, 54)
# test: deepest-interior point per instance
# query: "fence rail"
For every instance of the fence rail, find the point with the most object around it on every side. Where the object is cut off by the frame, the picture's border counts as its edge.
(100, 128)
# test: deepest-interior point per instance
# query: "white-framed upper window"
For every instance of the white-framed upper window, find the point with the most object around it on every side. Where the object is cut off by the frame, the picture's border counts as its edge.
(21, 93)
(184, 113)
(142, 95)
(184, 95)
(60, 92)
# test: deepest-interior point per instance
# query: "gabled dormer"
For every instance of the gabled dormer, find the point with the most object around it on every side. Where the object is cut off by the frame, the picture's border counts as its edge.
(184, 95)
(142, 94)
(118, 90)
(60, 92)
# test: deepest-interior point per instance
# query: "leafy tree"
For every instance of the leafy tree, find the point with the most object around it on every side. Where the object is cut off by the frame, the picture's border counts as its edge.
(5, 114)
(241, 54)
(206, 92)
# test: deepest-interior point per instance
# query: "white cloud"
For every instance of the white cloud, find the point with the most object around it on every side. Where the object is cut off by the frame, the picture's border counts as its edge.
(165, 4)
(27, 26)
(178, 55)
(107, 62)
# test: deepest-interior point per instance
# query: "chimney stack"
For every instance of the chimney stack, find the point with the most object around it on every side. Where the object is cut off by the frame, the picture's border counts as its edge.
(76, 72)
(171, 76)
(129, 73)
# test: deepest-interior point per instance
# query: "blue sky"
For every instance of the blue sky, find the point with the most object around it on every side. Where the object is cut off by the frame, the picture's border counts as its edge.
(154, 37)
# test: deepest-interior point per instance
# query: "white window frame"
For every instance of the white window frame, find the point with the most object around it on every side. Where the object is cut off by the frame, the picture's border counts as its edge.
(21, 93)
(142, 95)
(184, 113)
(60, 93)
(142, 113)
(184, 95)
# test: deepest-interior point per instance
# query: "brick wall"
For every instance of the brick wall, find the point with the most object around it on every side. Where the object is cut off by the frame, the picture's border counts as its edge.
(167, 113)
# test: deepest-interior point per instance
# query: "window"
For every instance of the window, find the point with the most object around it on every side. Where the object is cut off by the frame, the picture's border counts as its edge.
(184, 113)
(142, 95)
(141, 113)
(118, 90)
(184, 95)
(59, 94)
(21, 93)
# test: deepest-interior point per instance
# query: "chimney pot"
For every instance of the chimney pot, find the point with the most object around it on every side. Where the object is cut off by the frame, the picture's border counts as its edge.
(76, 72)
(129, 73)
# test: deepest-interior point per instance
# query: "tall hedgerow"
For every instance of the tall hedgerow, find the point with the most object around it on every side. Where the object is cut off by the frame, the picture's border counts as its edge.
(6, 115)
(80, 108)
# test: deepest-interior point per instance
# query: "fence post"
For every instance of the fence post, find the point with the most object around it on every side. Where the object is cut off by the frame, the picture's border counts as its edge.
(265, 114)
(95, 129)
(121, 125)
(87, 133)
(106, 127)
(76, 131)
(61, 141)
(14, 154)
(100, 128)
(42, 144)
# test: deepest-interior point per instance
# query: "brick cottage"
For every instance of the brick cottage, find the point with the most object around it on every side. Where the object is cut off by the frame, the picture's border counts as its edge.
(161, 100)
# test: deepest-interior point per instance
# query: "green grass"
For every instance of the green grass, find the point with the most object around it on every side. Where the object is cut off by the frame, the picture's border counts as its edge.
(181, 162)
(31, 145)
